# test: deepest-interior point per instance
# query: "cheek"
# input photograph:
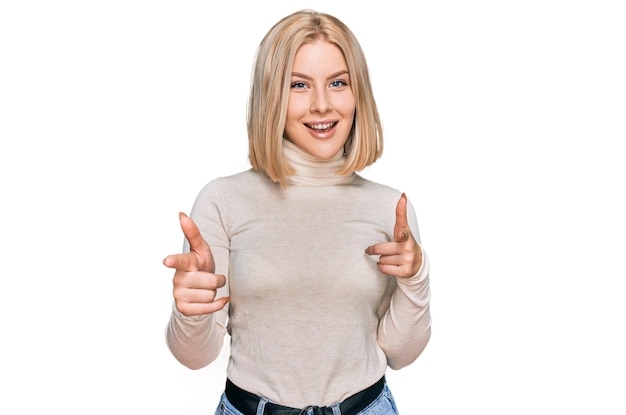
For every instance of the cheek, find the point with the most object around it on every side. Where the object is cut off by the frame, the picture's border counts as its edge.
(296, 107)
(347, 105)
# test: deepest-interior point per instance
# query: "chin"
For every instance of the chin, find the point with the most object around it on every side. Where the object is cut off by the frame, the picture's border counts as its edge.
(326, 153)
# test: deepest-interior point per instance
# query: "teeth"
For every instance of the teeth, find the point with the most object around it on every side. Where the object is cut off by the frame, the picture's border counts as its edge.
(321, 126)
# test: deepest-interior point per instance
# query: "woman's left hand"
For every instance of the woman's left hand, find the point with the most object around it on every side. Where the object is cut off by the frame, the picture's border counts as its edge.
(402, 257)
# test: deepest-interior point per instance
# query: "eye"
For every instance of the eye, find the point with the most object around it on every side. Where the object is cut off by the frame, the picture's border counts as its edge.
(298, 85)
(338, 83)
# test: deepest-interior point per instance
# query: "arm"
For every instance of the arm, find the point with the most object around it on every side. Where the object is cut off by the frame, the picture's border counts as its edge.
(197, 325)
(404, 328)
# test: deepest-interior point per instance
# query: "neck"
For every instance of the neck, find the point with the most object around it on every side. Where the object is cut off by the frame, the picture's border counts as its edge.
(311, 171)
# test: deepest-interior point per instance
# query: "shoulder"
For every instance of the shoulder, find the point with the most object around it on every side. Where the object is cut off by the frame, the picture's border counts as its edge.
(385, 191)
(372, 198)
(234, 187)
(376, 189)
(244, 179)
(380, 197)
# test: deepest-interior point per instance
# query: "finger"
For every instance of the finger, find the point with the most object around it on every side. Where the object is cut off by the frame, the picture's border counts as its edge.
(199, 280)
(195, 309)
(193, 295)
(383, 248)
(401, 230)
(392, 260)
(183, 262)
(199, 258)
(395, 270)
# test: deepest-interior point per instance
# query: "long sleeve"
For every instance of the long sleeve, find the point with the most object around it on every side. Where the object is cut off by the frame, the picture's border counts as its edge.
(196, 341)
(404, 329)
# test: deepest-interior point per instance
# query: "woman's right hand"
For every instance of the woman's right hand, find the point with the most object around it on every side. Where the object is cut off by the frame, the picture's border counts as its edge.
(195, 283)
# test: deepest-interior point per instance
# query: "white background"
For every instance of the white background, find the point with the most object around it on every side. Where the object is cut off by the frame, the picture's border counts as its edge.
(504, 123)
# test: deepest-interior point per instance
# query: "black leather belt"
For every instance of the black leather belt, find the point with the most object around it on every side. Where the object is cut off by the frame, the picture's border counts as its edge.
(247, 402)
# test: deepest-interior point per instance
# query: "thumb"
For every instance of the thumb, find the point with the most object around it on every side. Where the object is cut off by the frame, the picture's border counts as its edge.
(401, 230)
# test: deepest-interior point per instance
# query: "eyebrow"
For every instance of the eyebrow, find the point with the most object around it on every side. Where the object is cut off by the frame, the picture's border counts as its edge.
(335, 75)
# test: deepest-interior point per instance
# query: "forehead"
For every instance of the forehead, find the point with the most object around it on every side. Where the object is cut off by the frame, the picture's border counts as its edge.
(319, 55)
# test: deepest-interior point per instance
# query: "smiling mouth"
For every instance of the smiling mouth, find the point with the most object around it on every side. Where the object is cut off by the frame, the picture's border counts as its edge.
(323, 127)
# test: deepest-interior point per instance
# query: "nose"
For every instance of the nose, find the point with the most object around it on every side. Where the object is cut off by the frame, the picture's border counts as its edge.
(320, 101)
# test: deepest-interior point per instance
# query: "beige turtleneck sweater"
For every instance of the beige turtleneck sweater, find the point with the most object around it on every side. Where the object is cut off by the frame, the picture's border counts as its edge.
(311, 319)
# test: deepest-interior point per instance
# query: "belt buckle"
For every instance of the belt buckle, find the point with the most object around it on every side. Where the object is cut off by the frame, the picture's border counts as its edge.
(316, 410)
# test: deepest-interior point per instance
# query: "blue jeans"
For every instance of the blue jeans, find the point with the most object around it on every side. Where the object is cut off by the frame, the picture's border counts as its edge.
(382, 405)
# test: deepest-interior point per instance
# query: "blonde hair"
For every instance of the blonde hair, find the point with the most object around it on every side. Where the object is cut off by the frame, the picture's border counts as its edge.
(269, 92)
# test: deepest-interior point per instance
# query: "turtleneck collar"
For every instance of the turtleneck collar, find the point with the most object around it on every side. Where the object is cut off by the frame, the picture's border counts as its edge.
(311, 171)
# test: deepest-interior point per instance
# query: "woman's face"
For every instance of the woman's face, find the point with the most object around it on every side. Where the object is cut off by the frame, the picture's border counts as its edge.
(320, 108)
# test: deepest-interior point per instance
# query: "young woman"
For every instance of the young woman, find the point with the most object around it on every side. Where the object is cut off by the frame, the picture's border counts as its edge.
(316, 273)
